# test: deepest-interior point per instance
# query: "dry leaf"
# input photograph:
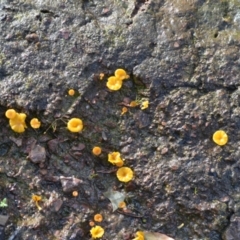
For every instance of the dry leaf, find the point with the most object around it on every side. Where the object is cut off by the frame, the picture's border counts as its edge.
(156, 236)
(115, 198)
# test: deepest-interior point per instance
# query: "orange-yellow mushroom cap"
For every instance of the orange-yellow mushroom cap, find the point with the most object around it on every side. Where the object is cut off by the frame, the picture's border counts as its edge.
(10, 113)
(18, 122)
(22, 118)
(119, 163)
(121, 74)
(97, 232)
(220, 137)
(98, 217)
(75, 125)
(96, 151)
(133, 104)
(124, 174)
(75, 193)
(91, 223)
(19, 128)
(114, 157)
(144, 105)
(36, 198)
(101, 76)
(122, 204)
(139, 235)
(35, 123)
(114, 83)
(71, 92)
(124, 110)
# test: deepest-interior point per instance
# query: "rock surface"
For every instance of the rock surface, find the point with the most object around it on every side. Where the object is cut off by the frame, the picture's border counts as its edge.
(182, 56)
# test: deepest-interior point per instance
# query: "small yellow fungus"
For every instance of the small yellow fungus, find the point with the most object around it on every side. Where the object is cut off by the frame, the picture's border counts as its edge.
(114, 83)
(98, 217)
(124, 174)
(75, 125)
(119, 163)
(124, 110)
(220, 137)
(16, 120)
(144, 105)
(71, 92)
(35, 123)
(96, 151)
(114, 157)
(133, 104)
(122, 205)
(37, 199)
(75, 193)
(97, 232)
(139, 235)
(91, 223)
(10, 113)
(121, 74)
(101, 76)
(17, 123)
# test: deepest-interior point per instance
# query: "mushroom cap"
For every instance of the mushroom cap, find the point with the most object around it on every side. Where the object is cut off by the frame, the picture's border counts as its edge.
(114, 83)
(35, 123)
(18, 127)
(10, 113)
(18, 122)
(97, 232)
(96, 150)
(36, 198)
(71, 92)
(122, 204)
(144, 105)
(220, 137)
(121, 74)
(98, 217)
(124, 174)
(22, 117)
(119, 163)
(75, 125)
(139, 235)
(114, 157)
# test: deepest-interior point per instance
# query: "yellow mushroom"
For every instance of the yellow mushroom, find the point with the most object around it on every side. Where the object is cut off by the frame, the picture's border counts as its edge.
(114, 83)
(124, 174)
(121, 74)
(75, 125)
(71, 92)
(17, 123)
(220, 137)
(10, 113)
(97, 232)
(96, 151)
(35, 123)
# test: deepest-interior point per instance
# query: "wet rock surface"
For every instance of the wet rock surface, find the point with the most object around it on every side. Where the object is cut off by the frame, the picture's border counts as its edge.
(182, 56)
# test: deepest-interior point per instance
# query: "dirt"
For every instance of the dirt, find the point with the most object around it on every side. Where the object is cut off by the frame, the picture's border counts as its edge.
(182, 56)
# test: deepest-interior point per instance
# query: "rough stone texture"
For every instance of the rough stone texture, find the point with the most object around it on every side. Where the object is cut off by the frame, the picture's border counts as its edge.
(182, 55)
(233, 231)
(70, 184)
(37, 154)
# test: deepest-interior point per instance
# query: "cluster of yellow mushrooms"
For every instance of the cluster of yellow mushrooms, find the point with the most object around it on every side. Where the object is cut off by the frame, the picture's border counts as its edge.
(17, 121)
(75, 125)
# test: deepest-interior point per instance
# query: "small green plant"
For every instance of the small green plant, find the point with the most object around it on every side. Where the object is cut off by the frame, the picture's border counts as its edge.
(3, 203)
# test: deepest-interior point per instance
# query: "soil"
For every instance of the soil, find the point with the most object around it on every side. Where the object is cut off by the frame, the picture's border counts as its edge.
(182, 57)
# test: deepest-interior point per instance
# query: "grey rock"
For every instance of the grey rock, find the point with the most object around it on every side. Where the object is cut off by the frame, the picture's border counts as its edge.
(233, 230)
(37, 154)
(69, 184)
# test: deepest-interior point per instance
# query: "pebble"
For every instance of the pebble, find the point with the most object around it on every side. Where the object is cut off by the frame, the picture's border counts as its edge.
(37, 154)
